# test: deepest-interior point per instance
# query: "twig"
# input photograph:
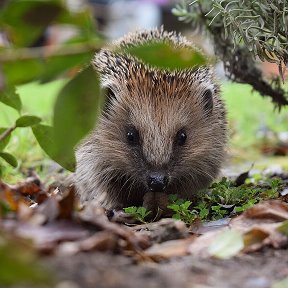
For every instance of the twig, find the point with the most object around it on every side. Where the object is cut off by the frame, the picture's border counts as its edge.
(7, 132)
(46, 52)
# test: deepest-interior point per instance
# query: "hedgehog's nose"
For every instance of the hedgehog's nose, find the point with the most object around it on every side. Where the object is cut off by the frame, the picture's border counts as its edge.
(157, 182)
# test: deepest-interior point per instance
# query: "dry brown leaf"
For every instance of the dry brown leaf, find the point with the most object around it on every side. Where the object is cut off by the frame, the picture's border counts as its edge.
(46, 238)
(258, 225)
(50, 209)
(254, 237)
(163, 230)
(67, 203)
(30, 186)
(11, 197)
(199, 247)
(96, 216)
(169, 249)
(101, 241)
(265, 235)
(205, 227)
(273, 209)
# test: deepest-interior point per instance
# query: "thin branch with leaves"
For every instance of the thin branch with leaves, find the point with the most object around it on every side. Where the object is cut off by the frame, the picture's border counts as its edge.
(244, 31)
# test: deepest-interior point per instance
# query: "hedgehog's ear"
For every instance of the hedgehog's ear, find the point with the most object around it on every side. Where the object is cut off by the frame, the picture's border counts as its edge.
(207, 100)
(109, 97)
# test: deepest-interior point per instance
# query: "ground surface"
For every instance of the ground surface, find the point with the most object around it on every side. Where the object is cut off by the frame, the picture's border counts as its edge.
(101, 270)
(83, 249)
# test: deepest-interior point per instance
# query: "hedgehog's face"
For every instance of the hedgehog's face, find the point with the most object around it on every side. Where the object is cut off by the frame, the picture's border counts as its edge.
(159, 132)
(154, 153)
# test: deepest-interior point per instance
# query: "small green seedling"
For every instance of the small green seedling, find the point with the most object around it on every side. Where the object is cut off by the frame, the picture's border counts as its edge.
(245, 206)
(139, 213)
(218, 212)
(203, 209)
(181, 210)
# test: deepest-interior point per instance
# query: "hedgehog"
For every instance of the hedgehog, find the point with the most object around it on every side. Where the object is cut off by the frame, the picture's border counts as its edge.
(161, 131)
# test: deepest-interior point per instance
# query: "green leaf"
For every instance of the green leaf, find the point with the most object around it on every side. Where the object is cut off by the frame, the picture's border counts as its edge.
(10, 159)
(14, 70)
(216, 208)
(204, 212)
(19, 265)
(27, 121)
(186, 204)
(172, 197)
(25, 21)
(75, 112)
(281, 284)
(130, 210)
(45, 137)
(11, 98)
(176, 216)
(142, 212)
(44, 69)
(4, 208)
(164, 55)
(57, 65)
(283, 228)
(4, 142)
(174, 207)
(84, 20)
(228, 244)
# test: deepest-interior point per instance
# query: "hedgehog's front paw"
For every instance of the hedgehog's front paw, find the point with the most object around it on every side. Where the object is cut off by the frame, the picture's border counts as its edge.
(157, 203)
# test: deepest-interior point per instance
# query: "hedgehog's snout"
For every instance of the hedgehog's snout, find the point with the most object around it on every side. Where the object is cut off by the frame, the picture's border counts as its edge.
(157, 181)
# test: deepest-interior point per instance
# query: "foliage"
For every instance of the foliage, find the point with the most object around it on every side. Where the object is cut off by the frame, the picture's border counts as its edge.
(181, 210)
(18, 263)
(221, 200)
(242, 30)
(162, 55)
(284, 228)
(138, 213)
(24, 59)
(225, 198)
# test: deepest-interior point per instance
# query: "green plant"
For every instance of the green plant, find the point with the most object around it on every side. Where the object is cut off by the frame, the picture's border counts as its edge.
(242, 30)
(226, 193)
(20, 266)
(181, 210)
(23, 60)
(221, 200)
(139, 213)
(248, 204)
(203, 209)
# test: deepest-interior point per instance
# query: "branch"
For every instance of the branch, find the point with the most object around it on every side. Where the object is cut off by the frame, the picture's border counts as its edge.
(46, 51)
(6, 133)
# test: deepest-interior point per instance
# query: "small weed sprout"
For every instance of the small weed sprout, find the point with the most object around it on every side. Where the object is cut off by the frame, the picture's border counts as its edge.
(181, 210)
(139, 213)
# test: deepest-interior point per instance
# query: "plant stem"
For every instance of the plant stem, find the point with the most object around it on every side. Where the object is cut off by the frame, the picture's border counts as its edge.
(46, 52)
(6, 133)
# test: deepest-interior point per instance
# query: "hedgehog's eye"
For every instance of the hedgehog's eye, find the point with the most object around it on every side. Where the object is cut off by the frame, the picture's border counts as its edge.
(181, 137)
(132, 136)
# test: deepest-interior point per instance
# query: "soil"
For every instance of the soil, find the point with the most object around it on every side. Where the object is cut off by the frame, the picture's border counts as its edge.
(102, 270)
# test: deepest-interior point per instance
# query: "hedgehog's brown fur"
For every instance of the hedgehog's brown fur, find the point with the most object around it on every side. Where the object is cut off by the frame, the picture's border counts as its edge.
(157, 103)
